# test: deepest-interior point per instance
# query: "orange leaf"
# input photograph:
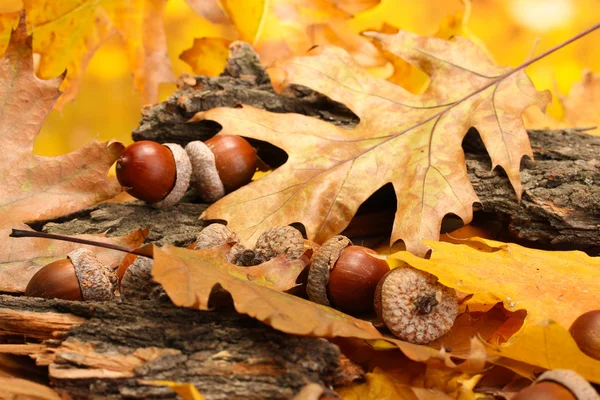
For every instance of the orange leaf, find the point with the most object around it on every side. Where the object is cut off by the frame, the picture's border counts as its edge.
(189, 276)
(411, 140)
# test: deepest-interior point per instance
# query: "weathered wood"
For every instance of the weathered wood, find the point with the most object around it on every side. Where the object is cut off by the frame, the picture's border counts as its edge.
(561, 200)
(177, 225)
(114, 349)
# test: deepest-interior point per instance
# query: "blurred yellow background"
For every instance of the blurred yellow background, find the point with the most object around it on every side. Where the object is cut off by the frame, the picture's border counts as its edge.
(107, 106)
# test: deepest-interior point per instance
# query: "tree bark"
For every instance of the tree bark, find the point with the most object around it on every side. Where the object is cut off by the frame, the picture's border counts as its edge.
(560, 207)
(114, 350)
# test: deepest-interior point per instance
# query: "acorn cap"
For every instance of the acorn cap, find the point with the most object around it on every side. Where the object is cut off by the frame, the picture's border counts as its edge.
(96, 281)
(205, 176)
(576, 384)
(414, 305)
(279, 240)
(216, 235)
(182, 180)
(137, 283)
(322, 264)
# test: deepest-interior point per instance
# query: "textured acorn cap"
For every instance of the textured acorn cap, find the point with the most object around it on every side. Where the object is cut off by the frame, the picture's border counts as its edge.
(205, 176)
(96, 281)
(216, 235)
(322, 263)
(576, 384)
(414, 305)
(279, 240)
(137, 283)
(182, 180)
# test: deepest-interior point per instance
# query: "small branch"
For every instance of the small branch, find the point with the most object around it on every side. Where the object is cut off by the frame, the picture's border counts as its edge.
(20, 233)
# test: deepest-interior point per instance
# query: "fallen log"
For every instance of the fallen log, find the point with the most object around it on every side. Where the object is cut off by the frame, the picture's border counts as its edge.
(116, 350)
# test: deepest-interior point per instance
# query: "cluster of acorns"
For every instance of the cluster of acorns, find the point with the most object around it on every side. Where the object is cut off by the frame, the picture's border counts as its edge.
(411, 303)
(353, 279)
(161, 174)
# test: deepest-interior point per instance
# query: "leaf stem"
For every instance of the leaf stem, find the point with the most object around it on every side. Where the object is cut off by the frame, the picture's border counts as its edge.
(20, 233)
(525, 65)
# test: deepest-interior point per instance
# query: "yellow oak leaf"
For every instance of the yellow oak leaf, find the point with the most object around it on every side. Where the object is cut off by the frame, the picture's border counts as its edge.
(557, 286)
(207, 56)
(411, 140)
(9, 19)
(279, 29)
(68, 33)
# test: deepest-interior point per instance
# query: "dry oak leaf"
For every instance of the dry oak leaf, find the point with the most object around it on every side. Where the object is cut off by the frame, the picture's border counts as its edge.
(188, 278)
(21, 258)
(277, 273)
(411, 140)
(549, 285)
(68, 33)
(34, 187)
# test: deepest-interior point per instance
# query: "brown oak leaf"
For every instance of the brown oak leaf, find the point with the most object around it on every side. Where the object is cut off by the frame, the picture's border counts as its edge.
(34, 187)
(411, 140)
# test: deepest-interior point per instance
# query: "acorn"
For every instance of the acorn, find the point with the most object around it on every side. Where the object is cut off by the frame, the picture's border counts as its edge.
(414, 306)
(221, 165)
(558, 384)
(155, 173)
(275, 241)
(586, 333)
(345, 276)
(136, 281)
(78, 277)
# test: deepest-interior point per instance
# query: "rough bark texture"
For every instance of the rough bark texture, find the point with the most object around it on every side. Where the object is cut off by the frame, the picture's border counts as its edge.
(560, 207)
(177, 225)
(112, 350)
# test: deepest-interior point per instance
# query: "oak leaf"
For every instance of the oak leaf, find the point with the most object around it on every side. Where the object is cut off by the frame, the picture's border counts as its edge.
(278, 29)
(411, 140)
(551, 286)
(68, 33)
(34, 187)
(188, 278)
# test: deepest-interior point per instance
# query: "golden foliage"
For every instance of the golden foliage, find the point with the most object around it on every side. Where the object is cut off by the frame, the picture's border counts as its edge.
(553, 287)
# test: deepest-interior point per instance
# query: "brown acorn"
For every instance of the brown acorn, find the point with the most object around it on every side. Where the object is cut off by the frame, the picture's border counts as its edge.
(79, 277)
